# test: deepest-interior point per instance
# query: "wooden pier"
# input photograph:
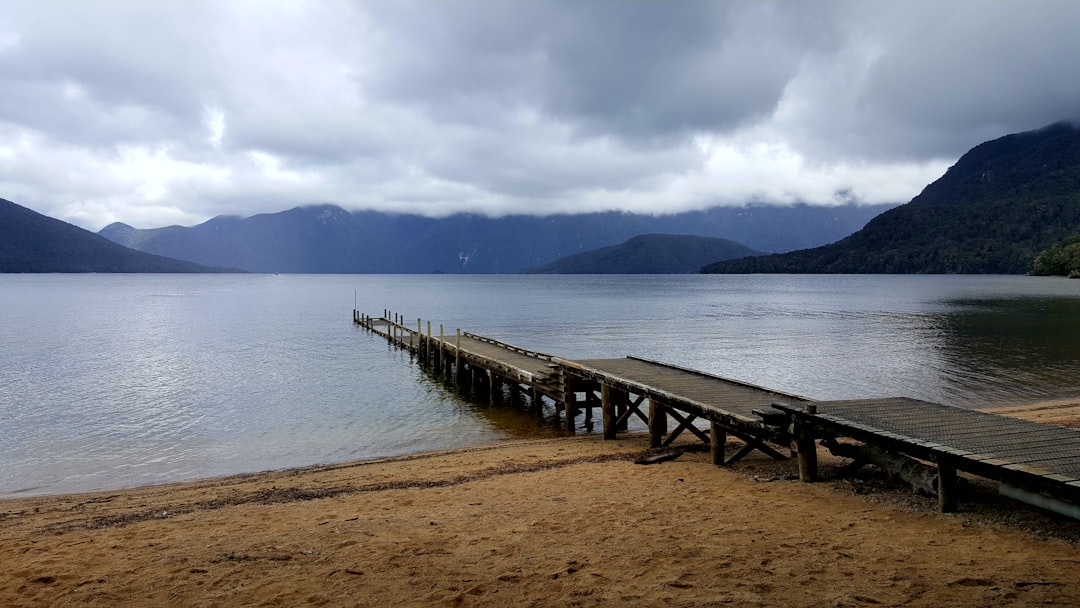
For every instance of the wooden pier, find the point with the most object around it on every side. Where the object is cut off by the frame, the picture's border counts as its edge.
(471, 358)
(1033, 457)
(1034, 462)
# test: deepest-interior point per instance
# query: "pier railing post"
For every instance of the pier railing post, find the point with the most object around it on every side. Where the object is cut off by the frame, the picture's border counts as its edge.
(440, 352)
(457, 357)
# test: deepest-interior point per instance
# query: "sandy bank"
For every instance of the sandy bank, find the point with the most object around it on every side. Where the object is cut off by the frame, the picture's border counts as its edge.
(570, 522)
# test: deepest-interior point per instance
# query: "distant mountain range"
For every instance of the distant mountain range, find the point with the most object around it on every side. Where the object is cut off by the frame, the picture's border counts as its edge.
(31, 242)
(329, 239)
(994, 211)
(1001, 204)
(650, 254)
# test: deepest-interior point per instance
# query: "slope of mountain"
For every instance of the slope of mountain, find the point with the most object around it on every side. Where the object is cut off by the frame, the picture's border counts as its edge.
(1000, 204)
(328, 239)
(31, 242)
(1062, 259)
(649, 254)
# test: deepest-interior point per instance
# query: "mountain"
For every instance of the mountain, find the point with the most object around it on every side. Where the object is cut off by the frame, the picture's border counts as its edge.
(31, 242)
(649, 254)
(1002, 203)
(328, 239)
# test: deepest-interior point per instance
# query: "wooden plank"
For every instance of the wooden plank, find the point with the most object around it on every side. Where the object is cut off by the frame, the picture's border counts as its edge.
(1048, 460)
(1062, 478)
(717, 443)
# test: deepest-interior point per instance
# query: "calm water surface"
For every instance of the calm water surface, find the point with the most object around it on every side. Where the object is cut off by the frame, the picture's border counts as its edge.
(121, 380)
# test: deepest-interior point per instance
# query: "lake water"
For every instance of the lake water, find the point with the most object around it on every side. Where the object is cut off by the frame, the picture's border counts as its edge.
(120, 380)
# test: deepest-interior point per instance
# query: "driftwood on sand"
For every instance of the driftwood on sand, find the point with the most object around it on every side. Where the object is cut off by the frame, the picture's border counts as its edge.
(922, 477)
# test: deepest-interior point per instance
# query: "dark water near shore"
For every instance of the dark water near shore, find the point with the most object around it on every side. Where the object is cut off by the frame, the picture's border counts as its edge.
(113, 380)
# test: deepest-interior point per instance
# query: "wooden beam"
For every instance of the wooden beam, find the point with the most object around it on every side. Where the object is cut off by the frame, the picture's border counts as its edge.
(611, 399)
(946, 486)
(804, 435)
(569, 399)
(684, 424)
(632, 407)
(657, 422)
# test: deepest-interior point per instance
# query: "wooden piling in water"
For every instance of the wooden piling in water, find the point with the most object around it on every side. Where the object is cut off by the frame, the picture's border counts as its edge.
(440, 352)
(494, 382)
(569, 402)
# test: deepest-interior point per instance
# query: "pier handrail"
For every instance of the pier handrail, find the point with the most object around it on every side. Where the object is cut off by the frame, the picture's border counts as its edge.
(517, 349)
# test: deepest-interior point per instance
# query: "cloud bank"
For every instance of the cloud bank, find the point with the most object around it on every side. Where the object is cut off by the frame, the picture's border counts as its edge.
(157, 113)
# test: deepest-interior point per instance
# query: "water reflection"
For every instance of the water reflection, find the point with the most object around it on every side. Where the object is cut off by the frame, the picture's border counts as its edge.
(1010, 350)
(512, 413)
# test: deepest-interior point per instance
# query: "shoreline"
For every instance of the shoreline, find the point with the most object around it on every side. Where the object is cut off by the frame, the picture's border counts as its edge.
(1062, 412)
(566, 521)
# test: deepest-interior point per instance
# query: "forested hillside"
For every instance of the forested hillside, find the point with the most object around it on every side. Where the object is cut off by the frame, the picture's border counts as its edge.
(992, 212)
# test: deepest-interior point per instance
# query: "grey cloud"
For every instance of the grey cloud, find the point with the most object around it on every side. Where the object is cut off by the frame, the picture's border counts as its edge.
(962, 72)
(478, 105)
(638, 70)
(87, 70)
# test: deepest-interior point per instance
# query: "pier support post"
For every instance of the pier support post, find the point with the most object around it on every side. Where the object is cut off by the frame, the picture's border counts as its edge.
(440, 353)
(569, 402)
(717, 443)
(807, 444)
(495, 384)
(946, 486)
(474, 379)
(658, 426)
(611, 400)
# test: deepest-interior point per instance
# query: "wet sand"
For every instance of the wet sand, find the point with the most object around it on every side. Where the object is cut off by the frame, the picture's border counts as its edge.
(562, 522)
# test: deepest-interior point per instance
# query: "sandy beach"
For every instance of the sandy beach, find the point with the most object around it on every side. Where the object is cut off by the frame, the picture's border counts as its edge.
(561, 522)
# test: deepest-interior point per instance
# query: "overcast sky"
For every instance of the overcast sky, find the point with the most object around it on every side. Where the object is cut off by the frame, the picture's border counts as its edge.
(171, 112)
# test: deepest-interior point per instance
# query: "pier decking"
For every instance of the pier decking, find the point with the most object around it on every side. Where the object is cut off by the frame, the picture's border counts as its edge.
(1035, 462)
(482, 359)
(730, 407)
(1038, 457)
